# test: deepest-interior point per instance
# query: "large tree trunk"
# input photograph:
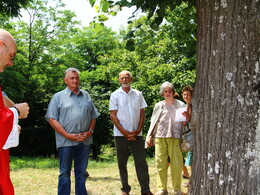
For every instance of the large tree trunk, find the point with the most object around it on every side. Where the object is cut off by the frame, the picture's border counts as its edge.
(226, 100)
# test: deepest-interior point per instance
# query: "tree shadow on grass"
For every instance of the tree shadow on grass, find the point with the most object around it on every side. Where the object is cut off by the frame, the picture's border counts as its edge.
(103, 178)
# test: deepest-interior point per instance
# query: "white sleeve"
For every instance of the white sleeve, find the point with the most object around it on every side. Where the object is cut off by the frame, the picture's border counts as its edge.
(142, 100)
(113, 102)
(13, 138)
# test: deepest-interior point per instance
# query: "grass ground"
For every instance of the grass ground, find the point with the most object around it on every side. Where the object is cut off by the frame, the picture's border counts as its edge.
(39, 176)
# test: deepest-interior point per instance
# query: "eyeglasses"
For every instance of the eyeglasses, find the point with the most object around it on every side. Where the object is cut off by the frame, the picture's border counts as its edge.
(124, 78)
(12, 53)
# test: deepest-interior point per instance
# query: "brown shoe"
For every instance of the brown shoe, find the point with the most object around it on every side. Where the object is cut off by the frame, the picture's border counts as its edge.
(147, 193)
(125, 193)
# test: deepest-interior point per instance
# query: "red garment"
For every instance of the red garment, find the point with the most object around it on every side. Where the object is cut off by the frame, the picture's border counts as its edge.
(6, 186)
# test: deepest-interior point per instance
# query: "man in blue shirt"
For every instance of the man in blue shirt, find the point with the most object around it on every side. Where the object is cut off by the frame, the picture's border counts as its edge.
(72, 115)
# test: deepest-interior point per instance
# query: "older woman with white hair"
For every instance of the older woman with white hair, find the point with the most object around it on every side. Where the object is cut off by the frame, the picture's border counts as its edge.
(165, 134)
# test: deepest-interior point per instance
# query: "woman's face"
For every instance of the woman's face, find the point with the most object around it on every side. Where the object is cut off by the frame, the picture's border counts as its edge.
(167, 93)
(187, 96)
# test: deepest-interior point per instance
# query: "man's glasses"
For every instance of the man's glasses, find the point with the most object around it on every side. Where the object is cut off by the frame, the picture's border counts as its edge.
(12, 53)
(124, 78)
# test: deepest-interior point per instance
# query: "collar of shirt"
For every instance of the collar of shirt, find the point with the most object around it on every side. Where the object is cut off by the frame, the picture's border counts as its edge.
(69, 92)
(122, 91)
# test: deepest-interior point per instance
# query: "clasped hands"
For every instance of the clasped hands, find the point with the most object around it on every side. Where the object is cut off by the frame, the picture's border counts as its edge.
(80, 137)
(131, 135)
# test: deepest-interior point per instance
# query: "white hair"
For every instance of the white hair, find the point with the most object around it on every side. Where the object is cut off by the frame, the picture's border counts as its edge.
(72, 70)
(126, 71)
(164, 85)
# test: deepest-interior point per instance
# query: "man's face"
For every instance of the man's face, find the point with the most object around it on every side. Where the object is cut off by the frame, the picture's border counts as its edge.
(125, 79)
(7, 54)
(72, 80)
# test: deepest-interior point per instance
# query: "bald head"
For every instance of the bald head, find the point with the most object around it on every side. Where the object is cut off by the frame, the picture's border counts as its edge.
(8, 39)
(7, 49)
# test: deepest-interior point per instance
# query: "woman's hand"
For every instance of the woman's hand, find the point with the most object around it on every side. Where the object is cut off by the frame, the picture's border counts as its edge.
(150, 142)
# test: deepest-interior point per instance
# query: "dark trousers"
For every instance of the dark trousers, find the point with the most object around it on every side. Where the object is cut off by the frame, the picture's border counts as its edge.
(141, 167)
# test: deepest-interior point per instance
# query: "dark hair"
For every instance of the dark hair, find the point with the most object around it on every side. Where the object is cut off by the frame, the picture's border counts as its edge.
(188, 88)
(176, 95)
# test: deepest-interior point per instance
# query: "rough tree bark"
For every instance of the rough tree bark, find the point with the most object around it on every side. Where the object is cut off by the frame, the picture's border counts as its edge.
(226, 100)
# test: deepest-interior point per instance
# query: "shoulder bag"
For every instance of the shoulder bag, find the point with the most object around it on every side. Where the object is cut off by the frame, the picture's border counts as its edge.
(188, 139)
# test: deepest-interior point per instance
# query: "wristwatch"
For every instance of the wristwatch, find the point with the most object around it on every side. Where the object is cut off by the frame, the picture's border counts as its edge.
(18, 111)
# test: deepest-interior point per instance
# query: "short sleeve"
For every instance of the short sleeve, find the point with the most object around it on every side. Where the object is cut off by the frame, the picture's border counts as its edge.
(143, 102)
(95, 112)
(113, 103)
(53, 110)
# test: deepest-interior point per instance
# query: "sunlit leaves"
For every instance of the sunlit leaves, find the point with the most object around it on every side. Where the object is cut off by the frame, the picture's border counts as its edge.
(97, 8)
(116, 8)
(113, 13)
(156, 10)
(104, 5)
(102, 18)
(97, 26)
(92, 2)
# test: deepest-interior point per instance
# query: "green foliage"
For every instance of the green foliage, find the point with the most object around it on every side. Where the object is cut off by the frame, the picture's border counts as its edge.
(12, 7)
(130, 45)
(102, 18)
(36, 70)
(51, 43)
(18, 80)
(156, 10)
(92, 2)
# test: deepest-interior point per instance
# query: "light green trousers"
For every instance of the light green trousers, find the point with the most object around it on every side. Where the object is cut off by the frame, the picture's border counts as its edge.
(164, 148)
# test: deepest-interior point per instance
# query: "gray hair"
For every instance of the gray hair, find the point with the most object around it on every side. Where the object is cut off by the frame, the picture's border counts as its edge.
(125, 71)
(72, 70)
(164, 85)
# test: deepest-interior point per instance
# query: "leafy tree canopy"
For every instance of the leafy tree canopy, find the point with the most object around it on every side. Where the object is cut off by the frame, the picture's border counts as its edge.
(12, 7)
(52, 41)
(156, 10)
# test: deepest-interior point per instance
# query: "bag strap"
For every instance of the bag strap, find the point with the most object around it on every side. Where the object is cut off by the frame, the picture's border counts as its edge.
(1, 97)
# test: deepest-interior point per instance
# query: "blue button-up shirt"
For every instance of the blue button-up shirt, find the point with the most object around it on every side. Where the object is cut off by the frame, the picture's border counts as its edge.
(73, 112)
